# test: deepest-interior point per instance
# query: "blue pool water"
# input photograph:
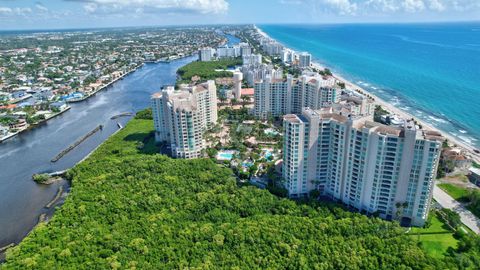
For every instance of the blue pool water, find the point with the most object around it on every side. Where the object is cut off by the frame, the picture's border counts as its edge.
(429, 70)
(227, 156)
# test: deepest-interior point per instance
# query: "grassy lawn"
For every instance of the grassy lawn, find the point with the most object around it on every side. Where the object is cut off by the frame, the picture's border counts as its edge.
(435, 239)
(458, 193)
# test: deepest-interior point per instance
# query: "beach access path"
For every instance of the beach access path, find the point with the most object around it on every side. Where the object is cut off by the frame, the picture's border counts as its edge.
(446, 201)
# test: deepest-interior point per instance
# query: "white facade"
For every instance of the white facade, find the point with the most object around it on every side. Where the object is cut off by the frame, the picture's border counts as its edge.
(3, 131)
(277, 97)
(206, 54)
(304, 60)
(256, 72)
(237, 84)
(370, 167)
(181, 117)
(228, 52)
(288, 56)
(252, 59)
(245, 49)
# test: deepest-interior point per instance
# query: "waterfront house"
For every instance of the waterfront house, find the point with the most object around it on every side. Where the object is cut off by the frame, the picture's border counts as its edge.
(60, 106)
(20, 124)
(455, 158)
(3, 131)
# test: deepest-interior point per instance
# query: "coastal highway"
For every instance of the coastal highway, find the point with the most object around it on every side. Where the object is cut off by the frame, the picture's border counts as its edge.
(446, 201)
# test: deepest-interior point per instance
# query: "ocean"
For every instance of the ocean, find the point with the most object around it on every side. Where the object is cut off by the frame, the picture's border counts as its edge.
(429, 70)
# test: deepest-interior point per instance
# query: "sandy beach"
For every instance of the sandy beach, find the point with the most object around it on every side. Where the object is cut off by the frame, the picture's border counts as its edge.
(391, 108)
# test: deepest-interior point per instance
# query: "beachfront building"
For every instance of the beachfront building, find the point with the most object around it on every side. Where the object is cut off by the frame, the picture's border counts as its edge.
(206, 54)
(272, 48)
(277, 97)
(357, 104)
(181, 117)
(288, 56)
(370, 167)
(304, 60)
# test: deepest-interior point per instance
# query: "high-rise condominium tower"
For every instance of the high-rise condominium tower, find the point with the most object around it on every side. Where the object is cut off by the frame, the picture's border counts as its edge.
(368, 166)
(181, 117)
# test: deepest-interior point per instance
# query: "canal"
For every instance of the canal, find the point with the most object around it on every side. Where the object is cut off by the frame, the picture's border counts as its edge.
(21, 199)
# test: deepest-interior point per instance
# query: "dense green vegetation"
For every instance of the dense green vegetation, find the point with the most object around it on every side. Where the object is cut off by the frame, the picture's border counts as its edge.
(144, 114)
(132, 208)
(41, 178)
(474, 202)
(206, 70)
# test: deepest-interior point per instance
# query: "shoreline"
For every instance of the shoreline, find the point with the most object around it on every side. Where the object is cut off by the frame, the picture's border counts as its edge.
(55, 201)
(13, 135)
(392, 108)
(32, 126)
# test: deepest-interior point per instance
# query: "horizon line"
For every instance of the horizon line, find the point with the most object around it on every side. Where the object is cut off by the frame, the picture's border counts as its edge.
(234, 24)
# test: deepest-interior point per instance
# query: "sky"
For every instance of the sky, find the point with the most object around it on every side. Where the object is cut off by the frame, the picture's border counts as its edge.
(62, 14)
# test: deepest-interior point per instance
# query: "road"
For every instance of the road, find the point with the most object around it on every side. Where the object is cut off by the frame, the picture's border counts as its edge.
(446, 201)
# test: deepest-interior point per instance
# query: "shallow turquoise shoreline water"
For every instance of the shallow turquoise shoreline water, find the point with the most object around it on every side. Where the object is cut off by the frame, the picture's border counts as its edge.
(430, 70)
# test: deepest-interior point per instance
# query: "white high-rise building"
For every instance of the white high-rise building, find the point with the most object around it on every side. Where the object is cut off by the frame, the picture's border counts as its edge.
(304, 60)
(277, 97)
(370, 167)
(256, 72)
(237, 84)
(228, 52)
(245, 49)
(180, 117)
(206, 54)
(288, 56)
(252, 59)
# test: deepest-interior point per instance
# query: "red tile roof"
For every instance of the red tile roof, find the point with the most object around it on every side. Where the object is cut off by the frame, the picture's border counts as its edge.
(248, 91)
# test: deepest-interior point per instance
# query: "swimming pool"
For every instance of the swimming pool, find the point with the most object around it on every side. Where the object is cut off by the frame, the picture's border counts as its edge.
(228, 156)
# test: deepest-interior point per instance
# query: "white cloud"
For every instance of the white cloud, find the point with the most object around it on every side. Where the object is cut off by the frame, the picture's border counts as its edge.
(90, 7)
(413, 5)
(195, 6)
(6, 11)
(368, 7)
(344, 7)
(436, 5)
(41, 7)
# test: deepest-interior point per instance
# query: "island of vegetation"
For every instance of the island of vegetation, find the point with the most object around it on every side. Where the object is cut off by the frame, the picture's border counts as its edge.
(207, 70)
(131, 208)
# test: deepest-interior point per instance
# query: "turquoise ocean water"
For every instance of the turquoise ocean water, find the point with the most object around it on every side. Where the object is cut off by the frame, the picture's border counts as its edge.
(430, 70)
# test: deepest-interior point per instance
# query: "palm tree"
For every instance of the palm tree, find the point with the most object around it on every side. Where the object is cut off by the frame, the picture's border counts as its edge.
(222, 99)
(245, 100)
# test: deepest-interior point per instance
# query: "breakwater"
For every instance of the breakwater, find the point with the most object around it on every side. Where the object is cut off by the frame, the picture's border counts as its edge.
(77, 143)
